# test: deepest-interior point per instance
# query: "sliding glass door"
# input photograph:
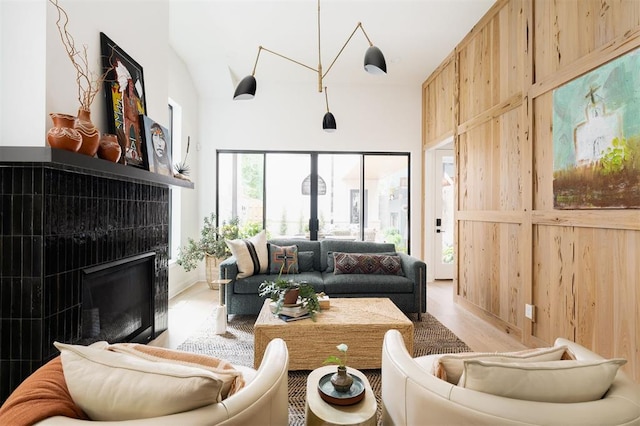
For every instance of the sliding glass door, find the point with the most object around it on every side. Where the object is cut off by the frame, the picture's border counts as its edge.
(287, 206)
(350, 196)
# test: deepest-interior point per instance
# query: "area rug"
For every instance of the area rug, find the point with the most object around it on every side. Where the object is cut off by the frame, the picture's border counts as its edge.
(236, 346)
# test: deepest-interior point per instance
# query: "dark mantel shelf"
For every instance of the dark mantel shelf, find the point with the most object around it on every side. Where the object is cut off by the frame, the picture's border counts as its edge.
(62, 158)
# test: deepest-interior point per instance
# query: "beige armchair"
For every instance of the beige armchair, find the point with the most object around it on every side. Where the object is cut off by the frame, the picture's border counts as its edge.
(411, 395)
(263, 401)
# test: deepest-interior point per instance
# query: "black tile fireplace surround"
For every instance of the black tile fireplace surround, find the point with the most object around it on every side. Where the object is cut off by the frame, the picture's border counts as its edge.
(60, 214)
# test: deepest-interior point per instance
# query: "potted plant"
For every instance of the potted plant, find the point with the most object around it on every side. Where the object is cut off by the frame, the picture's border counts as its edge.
(281, 289)
(341, 380)
(211, 246)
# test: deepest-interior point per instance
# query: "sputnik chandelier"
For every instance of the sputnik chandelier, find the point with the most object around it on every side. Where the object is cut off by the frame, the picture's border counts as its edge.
(374, 63)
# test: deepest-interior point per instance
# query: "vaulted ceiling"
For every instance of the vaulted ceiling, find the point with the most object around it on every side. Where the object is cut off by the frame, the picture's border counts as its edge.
(218, 39)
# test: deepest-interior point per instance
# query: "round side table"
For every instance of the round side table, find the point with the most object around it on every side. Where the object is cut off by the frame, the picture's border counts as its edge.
(319, 412)
(220, 315)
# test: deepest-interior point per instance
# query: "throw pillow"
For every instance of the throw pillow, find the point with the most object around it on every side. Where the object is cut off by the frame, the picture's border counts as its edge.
(112, 386)
(357, 263)
(305, 261)
(42, 395)
(283, 259)
(232, 380)
(251, 254)
(330, 262)
(449, 367)
(552, 381)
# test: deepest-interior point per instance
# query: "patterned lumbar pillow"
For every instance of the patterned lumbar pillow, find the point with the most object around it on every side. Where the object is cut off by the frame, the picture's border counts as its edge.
(251, 254)
(283, 258)
(359, 263)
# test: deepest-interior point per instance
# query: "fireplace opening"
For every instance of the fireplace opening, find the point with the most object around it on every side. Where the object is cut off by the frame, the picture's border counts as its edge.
(117, 301)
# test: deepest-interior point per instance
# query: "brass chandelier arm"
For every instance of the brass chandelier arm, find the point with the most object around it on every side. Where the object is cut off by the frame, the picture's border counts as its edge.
(345, 45)
(261, 48)
(326, 97)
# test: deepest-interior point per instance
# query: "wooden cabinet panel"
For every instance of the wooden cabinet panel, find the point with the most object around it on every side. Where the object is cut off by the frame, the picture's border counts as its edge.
(489, 269)
(567, 30)
(490, 162)
(491, 62)
(586, 287)
(438, 108)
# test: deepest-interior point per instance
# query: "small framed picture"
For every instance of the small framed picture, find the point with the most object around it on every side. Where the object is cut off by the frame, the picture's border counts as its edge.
(125, 97)
(157, 146)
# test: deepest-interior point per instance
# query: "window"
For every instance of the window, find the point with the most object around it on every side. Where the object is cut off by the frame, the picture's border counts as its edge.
(175, 130)
(316, 195)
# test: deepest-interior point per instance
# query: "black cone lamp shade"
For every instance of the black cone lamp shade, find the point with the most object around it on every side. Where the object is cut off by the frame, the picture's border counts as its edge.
(374, 62)
(246, 88)
(329, 123)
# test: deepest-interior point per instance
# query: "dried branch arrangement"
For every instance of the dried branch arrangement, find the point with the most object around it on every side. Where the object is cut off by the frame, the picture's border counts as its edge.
(88, 82)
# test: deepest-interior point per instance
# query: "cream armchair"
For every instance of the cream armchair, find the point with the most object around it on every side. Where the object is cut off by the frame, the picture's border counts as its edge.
(411, 395)
(263, 401)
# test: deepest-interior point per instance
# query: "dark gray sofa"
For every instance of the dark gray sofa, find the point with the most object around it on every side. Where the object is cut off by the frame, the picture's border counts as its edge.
(408, 292)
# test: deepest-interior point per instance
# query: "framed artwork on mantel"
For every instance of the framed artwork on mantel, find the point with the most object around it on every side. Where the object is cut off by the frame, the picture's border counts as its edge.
(126, 101)
(157, 147)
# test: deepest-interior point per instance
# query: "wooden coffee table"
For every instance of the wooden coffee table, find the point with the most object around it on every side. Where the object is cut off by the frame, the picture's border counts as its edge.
(359, 322)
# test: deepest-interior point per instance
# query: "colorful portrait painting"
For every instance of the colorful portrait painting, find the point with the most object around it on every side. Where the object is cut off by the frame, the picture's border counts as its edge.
(596, 137)
(125, 97)
(157, 147)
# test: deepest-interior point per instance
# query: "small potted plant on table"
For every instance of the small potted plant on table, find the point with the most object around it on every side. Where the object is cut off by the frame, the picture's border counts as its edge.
(341, 380)
(284, 291)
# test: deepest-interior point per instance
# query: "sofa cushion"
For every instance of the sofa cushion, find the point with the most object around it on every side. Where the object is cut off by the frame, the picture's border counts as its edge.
(366, 284)
(42, 395)
(361, 263)
(449, 367)
(251, 254)
(305, 261)
(232, 378)
(113, 386)
(250, 285)
(551, 381)
(283, 259)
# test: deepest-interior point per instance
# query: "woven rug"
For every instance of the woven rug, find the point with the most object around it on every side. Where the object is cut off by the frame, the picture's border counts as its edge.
(236, 346)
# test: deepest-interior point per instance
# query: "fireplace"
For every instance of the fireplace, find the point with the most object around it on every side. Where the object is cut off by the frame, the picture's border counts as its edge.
(63, 216)
(117, 301)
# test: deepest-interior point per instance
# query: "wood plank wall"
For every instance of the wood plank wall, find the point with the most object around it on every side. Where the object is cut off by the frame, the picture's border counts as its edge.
(493, 94)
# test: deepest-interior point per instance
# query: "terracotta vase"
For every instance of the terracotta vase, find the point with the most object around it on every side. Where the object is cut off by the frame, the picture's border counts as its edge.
(90, 135)
(341, 380)
(63, 134)
(291, 296)
(109, 148)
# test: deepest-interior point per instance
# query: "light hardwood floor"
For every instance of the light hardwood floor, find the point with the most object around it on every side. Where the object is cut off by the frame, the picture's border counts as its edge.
(189, 309)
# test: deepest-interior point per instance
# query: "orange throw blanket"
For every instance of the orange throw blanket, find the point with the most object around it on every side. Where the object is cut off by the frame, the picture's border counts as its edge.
(42, 395)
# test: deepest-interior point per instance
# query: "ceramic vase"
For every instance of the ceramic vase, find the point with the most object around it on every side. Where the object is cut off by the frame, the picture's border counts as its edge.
(63, 134)
(90, 135)
(109, 148)
(341, 380)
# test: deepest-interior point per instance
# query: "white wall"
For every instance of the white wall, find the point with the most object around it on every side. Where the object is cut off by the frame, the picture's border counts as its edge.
(140, 28)
(182, 91)
(22, 72)
(369, 118)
